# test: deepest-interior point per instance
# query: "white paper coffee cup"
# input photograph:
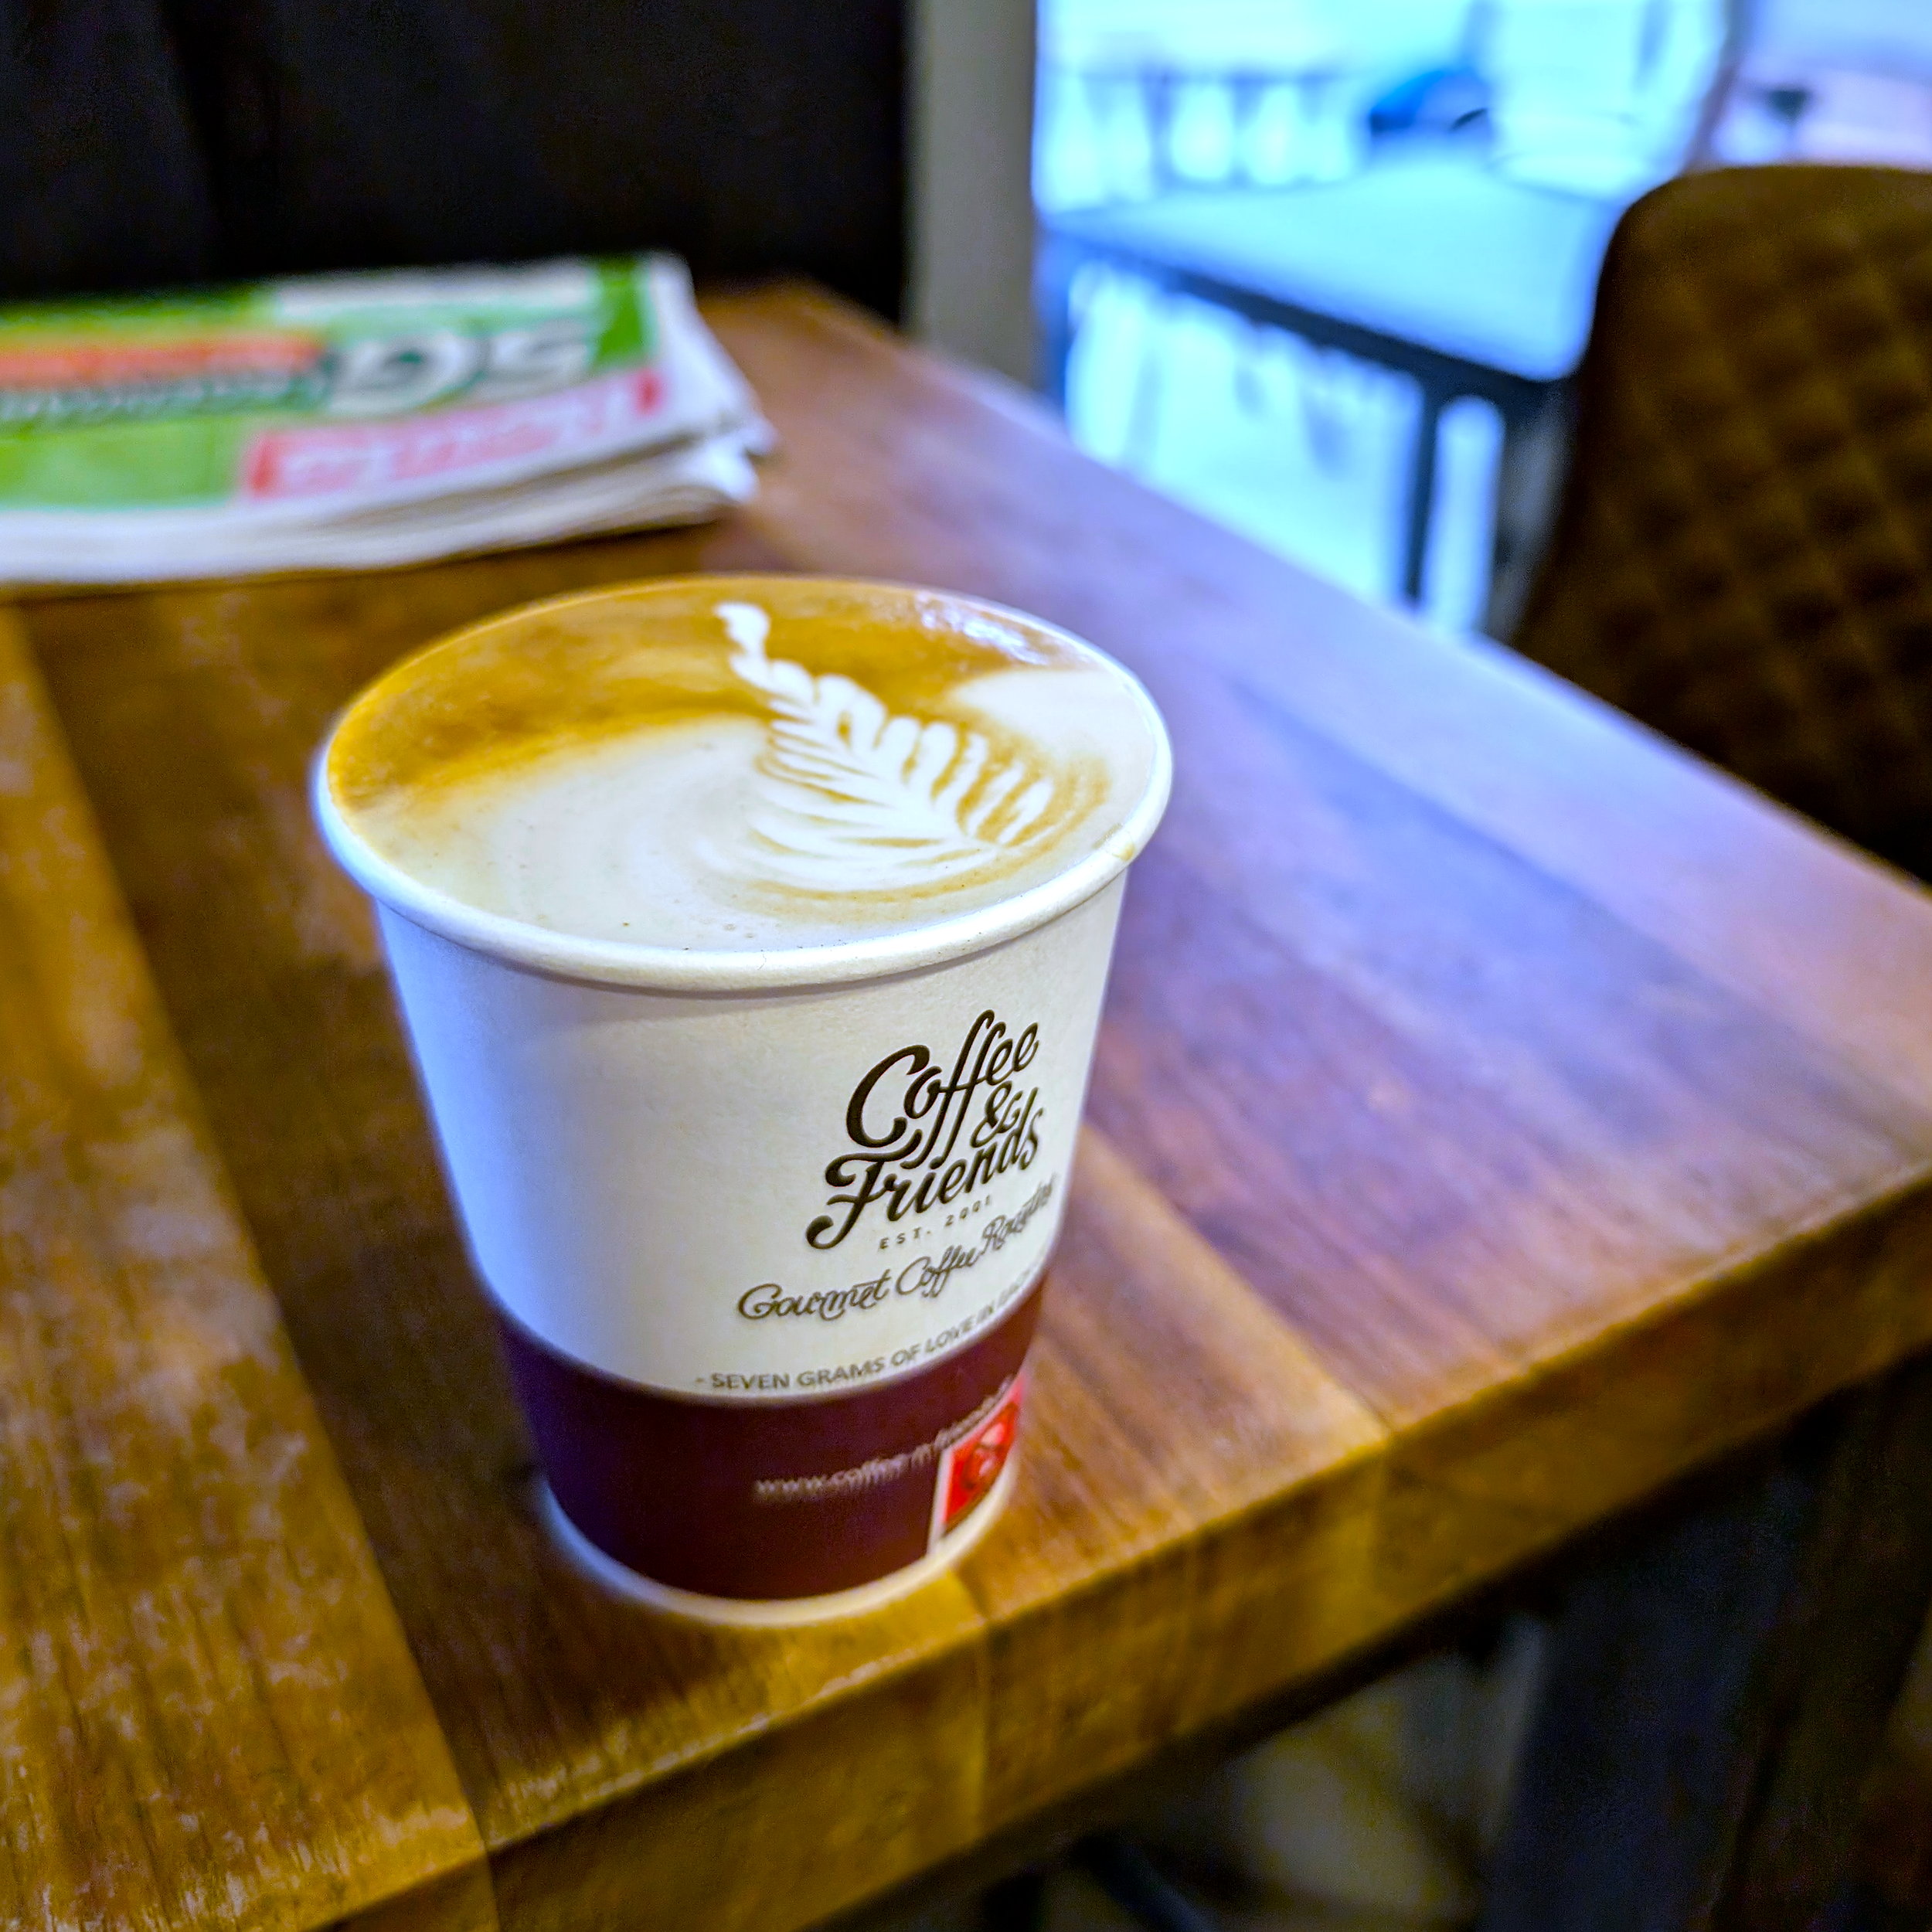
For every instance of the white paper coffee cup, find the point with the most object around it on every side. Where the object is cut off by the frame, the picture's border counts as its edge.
(767, 1228)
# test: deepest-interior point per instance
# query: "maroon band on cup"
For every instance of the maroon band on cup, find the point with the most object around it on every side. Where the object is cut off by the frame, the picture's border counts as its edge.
(770, 1501)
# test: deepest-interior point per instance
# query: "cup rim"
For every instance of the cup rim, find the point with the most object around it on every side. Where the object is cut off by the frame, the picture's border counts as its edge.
(673, 969)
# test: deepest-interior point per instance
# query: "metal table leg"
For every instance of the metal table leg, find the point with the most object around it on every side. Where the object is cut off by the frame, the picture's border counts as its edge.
(1432, 400)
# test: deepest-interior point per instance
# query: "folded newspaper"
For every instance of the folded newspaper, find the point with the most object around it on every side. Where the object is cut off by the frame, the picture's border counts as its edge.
(353, 421)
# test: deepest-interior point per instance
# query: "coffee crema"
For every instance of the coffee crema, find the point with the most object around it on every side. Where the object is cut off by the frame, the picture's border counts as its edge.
(743, 764)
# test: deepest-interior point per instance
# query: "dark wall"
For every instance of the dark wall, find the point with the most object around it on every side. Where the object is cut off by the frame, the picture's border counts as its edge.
(143, 141)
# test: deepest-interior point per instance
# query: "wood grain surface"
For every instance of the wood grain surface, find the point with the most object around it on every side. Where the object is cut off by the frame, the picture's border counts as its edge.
(208, 1714)
(1497, 1116)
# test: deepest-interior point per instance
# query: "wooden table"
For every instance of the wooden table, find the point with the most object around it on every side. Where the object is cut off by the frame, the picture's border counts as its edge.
(1498, 1115)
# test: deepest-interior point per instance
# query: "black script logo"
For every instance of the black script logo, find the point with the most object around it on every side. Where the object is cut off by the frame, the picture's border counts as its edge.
(829, 1304)
(907, 1120)
(927, 1277)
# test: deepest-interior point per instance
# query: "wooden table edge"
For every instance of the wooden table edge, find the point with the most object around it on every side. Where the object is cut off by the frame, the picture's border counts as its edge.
(445, 1895)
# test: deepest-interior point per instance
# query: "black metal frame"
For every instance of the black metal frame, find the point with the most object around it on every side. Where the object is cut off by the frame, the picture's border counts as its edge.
(1524, 404)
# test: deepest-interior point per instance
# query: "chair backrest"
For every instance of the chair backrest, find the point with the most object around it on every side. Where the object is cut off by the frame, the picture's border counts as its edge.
(154, 141)
(1743, 556)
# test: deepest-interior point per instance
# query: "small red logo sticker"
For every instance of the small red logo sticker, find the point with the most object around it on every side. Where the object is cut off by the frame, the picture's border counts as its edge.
(971, 1466)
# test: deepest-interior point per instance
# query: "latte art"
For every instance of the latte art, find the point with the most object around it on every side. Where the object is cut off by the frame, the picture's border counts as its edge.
(856, 800)
(742, 765)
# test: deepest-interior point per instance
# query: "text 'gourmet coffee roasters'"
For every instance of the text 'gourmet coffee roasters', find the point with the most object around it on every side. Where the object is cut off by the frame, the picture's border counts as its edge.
(751, 933)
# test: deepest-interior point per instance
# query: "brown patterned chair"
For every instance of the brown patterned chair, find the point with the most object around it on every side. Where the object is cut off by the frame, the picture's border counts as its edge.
(1742, 558)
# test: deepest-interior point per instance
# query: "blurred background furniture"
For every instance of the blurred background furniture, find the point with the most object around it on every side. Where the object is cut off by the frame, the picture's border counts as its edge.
(1467, 283)
(1289, 120)
(1467, 264)
(1743, 556)
(1842, 80)
(1313, 451)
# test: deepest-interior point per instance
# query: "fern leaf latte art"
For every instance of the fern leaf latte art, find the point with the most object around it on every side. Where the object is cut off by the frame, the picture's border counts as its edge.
(742, 764)
(855, 799)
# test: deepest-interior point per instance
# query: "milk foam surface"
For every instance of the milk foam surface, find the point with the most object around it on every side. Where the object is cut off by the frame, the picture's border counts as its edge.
(743, 764)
